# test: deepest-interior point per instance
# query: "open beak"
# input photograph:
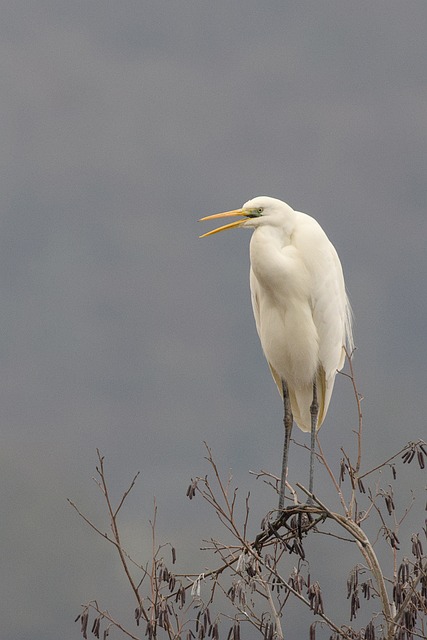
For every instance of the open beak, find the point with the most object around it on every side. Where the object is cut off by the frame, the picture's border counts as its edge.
(226, 214)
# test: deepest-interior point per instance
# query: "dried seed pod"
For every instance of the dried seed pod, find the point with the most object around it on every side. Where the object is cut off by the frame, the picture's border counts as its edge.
(392, 538)
(296, 580)
(251, 570)
(164, 575)
(398, 594)
(231, 593)
(236, 631)
(366, 589)
(265, 630)
(315, 598)
(138, 614)
(320, 608)
(352, 581)
(361, 486)
(179, 596)
(408, 456)
(417, 548)
(403, 571)
(191, 491)
(84, 619)
(370, 631)
(355, 605)
(342, 470)
(298, 549)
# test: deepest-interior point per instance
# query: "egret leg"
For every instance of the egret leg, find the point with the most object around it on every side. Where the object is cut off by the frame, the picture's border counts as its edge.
(287, 421)
(314, 412)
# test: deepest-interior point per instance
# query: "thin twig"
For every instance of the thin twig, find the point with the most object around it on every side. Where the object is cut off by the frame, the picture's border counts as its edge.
(331, 475)
(116, 534)
(359, 399)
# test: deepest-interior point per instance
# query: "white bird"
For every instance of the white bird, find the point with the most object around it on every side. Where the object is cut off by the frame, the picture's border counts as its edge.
(302, 313)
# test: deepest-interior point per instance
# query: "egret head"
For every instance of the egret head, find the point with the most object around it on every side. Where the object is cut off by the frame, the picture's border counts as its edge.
(257, 212)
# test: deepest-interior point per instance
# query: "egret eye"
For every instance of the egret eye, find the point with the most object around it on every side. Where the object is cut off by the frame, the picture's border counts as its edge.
(260, 210)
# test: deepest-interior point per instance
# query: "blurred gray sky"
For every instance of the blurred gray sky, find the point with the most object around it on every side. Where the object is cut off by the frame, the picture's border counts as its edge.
(121, 124)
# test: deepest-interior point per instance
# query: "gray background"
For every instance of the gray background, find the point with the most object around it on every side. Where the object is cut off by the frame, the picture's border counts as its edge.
(121, 124)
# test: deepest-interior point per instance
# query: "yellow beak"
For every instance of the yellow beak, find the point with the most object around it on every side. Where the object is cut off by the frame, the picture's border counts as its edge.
(226, 214)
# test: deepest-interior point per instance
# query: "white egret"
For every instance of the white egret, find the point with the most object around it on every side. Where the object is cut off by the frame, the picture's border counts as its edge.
(301, 310)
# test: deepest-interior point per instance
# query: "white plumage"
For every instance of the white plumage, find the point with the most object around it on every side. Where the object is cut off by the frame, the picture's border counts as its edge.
(299, 301)
(300, 305)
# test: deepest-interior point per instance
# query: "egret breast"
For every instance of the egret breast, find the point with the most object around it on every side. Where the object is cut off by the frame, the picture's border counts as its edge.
(280, 285)
(290, 342)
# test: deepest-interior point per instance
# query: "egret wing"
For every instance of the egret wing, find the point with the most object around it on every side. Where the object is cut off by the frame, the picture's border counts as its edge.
(330, 307)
